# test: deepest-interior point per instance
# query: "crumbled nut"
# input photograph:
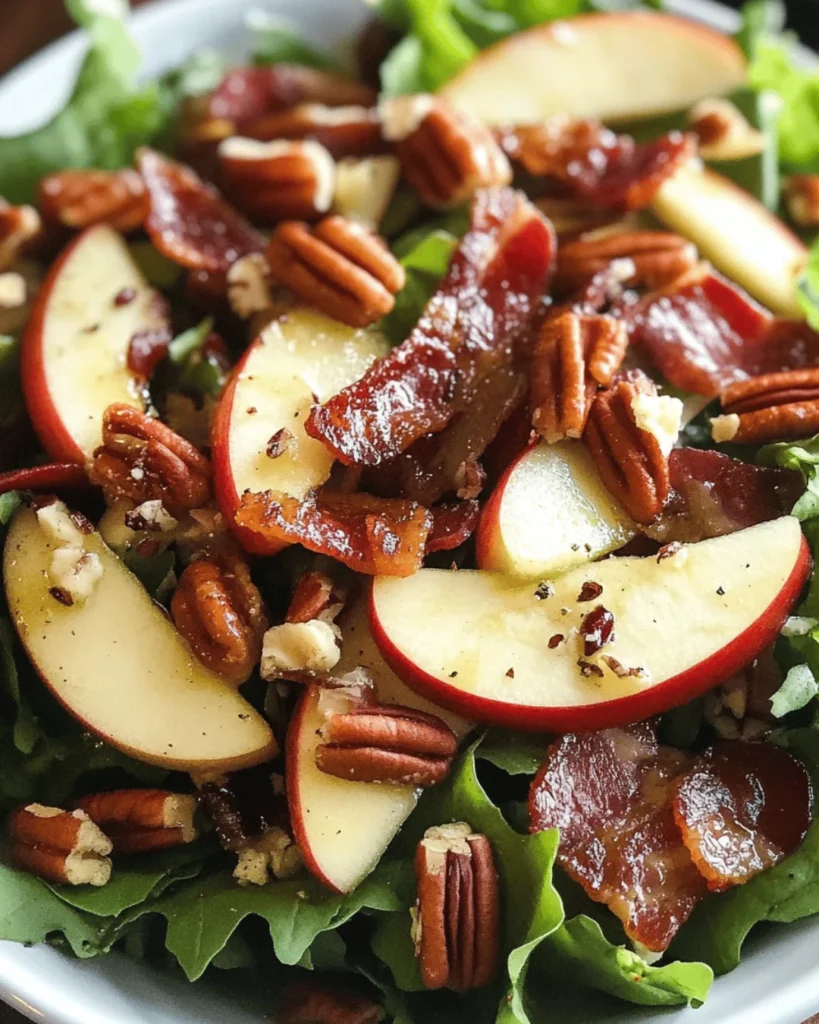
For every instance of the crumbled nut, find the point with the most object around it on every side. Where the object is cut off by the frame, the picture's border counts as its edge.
(282, 441)
(248, 286)
(273, 854)
(151, 516)
(590, 591)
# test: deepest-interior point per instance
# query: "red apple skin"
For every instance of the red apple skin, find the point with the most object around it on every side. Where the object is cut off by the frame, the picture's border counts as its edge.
(53, 477)
(607, 714)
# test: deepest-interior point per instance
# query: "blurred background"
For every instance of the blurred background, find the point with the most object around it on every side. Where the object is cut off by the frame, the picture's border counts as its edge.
(29, 24)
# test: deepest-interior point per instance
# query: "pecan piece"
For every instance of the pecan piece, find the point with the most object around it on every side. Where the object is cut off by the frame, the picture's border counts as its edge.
(271, 181)
(772, 407)
(338, 266)
(321, 1002)
(143, 459)
(802, 199)
(659, 257)
(631, 460)
(344, 131)
(387, 743)
(138, 820)
(723, 132)
(77, 199)
(573, 355)
(60, 846)
(450, 155)
(315, 596)
(18, 225)
(219, 611)
(458, 909)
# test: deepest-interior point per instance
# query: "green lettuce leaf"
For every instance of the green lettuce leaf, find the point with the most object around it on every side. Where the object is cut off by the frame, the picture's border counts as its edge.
(195, 371)
(515, 753)
(804, 457)
(276, 39)
(808, 288)
(797, 690)
(425, 264)
(761, 19)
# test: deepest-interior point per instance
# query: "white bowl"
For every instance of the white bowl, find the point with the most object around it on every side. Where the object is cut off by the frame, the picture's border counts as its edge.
(778, 980)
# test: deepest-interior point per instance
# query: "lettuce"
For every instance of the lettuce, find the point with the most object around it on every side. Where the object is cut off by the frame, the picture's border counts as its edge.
(276, 38)
(425, 264)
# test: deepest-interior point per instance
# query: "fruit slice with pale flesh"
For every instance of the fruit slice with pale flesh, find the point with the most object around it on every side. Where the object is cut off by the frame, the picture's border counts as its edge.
(119, 667)
(343, 828)
(615, 67)
(74, 360)
(491, 649)
(548, 513)
(733, 230)
(300, 359)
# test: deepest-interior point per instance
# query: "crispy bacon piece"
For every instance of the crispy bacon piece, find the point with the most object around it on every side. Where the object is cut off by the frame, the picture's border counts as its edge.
(496, 276)
(786, 345)
(610, 794)
(375, 536)
(190, 222)
(742, 808)
(452, 525)
(593, 163)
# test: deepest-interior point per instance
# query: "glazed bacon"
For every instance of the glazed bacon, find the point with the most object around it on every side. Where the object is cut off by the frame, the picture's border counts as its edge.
(496, 277)
(190, 223)
(648, 830)
(593, 163)
(452, 525)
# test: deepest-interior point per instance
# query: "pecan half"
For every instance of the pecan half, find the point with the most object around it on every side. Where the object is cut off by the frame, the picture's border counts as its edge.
(138, 820)
(339, 267)
(457, 931)
(60, 846)
(658, 256)
(631, 461)
(386, 743)
(723, 132)
(143, 459)
(773, 407)
(573, 355)
(449, 155)
(79, 198)
(802, 199)
(271, 181)
(321, 1002)
(219, 611)
(345, 131)
(18, 225)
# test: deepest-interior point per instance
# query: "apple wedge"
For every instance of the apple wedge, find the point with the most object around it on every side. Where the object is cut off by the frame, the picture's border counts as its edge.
(342, 828)
(74, 360)
(491, 649)
(548, 513)
(733, 230)
(299, 359)
(617, 67)
(118, 665)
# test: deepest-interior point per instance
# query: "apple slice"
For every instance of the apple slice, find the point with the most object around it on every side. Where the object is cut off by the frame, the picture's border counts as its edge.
(118, 665)
(616, 67)
(733, 230)
(548, 513)
(299, 359)
(342, 828)
(499, 652)
(74, 360)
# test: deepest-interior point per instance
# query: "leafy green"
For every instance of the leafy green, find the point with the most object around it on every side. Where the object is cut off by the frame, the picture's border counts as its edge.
(106, 118)
(798, 689)
(761, 19)
(514, 753)
(804, 457)
(425, 264)
(196, 371)
(276, 39)
(808, 288)
(717, 929)
(773, 68)
(155, 572)
(31, 913)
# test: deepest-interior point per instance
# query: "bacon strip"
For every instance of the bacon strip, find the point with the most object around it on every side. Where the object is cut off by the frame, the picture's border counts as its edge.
(742, 808)
(497, 274)
(452, 525)
(190, 222)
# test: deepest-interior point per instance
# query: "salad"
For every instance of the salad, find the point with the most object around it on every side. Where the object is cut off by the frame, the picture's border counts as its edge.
(408, 503)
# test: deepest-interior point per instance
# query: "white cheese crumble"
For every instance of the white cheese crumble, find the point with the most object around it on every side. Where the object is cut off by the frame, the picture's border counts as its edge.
(365, 187)
(299, 647)
(12, 290)
(75, 571)
(401, 115)
(248, 288)
(724, 428)
(156, 516)
(58, 526)
(660, 415)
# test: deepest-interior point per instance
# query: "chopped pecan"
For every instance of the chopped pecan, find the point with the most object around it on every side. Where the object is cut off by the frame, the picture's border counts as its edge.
(659, 257)
(274, 854)
(18, 225)
(321, 1002)
(574, 354)
(344, 131)
(630, 460)
(314, 596)
(450, 155)
(802, 199)
(272, 181)
(386, 743)
(78, 199)
(138, 820)
(458, 909)
(219, 611)
(338, 266)
(60, 846)
(723, 132)
(772, 407)
(142, 459)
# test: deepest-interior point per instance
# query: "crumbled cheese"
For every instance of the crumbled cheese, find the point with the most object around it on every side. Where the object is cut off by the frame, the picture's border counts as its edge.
(248, 289)
(798, 625)
(724, 428)
(659, 415)
(13, 291)
(58, 526)
(299, 647)
(273, 854)
(650, 956)
(365, 187)
(401, 115)
(155, 516)
(75, 571)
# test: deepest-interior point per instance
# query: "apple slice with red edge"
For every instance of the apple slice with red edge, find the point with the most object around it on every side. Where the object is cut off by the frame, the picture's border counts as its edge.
(617, 67)
(74, 359)
(548, 513)
(495, 651)
(118, 665)
(342, 828)
(299, 359)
